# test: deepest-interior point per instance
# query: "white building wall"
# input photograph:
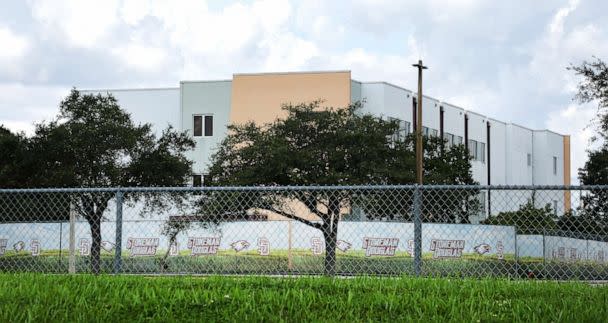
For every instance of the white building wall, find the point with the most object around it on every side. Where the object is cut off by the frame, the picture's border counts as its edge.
(519, 144)
(159, 107)
(477, 132)
(548, 145)
(206, 98)
(430, 113)
(386, 100)
(498, 152)
(453, 120)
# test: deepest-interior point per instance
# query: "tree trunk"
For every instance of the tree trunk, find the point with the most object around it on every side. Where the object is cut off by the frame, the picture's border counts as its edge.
(163, 261)
(95, 245)
(330, 233)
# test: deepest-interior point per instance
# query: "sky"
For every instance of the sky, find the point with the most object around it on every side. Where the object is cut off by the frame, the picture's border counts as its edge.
(504, 59)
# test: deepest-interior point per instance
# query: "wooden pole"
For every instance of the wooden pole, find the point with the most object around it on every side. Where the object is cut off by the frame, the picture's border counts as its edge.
(419, 152)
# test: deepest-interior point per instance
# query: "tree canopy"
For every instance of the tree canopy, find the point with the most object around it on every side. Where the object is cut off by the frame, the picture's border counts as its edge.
(313, 145)
(593, 87)
(93, 142)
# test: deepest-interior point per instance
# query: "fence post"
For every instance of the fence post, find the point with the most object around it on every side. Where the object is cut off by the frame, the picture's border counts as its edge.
(72, 251)
(118, 244)
(417, 230)
(516, 255)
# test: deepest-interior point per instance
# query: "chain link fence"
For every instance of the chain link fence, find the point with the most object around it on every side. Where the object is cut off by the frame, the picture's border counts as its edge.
(499, 231)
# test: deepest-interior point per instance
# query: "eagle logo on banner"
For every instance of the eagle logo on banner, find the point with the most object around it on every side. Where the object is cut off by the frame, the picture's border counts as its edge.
(239, 245)
(482, 248)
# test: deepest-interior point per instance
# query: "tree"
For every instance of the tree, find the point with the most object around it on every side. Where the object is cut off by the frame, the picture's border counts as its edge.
(594, 88)
(528, 219)
(95, 143)
(326, 146)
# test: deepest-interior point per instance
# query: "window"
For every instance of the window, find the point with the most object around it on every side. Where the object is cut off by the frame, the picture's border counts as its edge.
(202, 124)
(477, 150)
(481, 151)
(449, 139)
(402, 132)
(554, 165)
(197, 180)
(426, 131)
(207, 180)
(555, 207)
(208, 126)
(472, 146)
(198, 126)
(457, 140)
(405, 127)
(529, 157)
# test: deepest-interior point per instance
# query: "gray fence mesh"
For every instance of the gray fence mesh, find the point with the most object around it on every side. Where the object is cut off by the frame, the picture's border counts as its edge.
(517, 232)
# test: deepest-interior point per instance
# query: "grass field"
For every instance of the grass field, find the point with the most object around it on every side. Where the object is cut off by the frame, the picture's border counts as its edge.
(304, 263)
(62, 298)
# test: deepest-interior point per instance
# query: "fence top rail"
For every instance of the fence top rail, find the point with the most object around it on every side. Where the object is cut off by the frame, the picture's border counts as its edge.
(178, 189)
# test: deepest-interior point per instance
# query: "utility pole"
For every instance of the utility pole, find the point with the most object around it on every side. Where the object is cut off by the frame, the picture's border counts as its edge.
(419, 152)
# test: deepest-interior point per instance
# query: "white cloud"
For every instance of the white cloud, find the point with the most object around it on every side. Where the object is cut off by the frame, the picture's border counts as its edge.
(141, 57)
(133, 11)
(83, 23)
(557, 23)
(22, 105)
(13, 46)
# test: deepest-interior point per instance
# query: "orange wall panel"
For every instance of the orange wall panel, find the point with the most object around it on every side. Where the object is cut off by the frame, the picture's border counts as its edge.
(258, 97)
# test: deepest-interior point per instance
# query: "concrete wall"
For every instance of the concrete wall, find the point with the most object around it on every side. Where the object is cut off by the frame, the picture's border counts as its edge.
(205, 98)
(159, 107)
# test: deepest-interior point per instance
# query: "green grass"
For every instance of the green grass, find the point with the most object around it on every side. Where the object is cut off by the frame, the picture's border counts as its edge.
(63, 298)
(304, 263)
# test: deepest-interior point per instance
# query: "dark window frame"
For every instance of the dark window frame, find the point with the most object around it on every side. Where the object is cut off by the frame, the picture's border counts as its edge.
(202, 125)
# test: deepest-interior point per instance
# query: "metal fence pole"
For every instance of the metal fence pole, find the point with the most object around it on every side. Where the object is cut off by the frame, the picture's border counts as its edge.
(417, 230)
(118, 244)
(516, 255)
(72, 251)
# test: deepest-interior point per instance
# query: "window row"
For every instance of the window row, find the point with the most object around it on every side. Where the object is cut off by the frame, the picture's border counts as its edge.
(452, 140)
(199, 180)
(402, 132)
(529, 162)
(429, 132)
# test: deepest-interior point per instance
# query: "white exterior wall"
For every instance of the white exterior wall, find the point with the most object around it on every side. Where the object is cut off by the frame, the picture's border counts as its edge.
(498, 152)
(453, 120)
(159, 107)
(387, 100)
(205, 98)
(430, 113)
(477, 132)
(547, 145)
(519, 144)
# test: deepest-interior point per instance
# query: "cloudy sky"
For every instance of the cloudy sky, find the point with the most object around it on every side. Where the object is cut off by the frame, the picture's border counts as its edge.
(504, 59)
